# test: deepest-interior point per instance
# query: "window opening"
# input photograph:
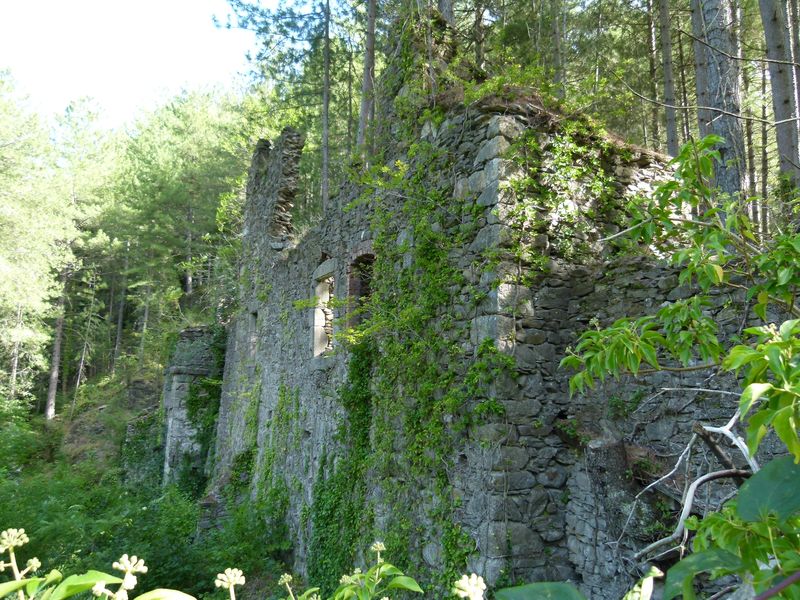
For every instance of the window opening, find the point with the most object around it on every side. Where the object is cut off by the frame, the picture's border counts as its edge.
(360, 287)
(323, 316)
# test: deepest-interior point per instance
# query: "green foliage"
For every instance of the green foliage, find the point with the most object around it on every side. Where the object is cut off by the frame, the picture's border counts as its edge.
(718, 250)
(380, 580)
(339, 494)
(540, 591)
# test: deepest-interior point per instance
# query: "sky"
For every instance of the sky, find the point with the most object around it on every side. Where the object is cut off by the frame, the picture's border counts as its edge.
(126, 54)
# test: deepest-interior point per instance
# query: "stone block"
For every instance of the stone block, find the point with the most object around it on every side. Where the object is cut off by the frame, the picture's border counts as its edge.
(517, 538)
(493, 148)
(495, 327)
(513, 481)
(520, 410)
(554, 477)
(493, 432)
(504, 125)
(511, 458)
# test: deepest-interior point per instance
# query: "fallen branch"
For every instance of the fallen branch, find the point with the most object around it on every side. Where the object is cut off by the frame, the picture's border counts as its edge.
(687, 507)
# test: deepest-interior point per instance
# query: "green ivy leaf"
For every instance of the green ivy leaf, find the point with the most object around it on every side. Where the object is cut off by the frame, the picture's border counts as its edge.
(775, 489)
(643, 590)
(164, 594)
(9, 587)
(784, 275)
(787, 329)
(403, 582)
(740, 356)
(751, 394)
(75, 584)
(540, 591)
(681, 576)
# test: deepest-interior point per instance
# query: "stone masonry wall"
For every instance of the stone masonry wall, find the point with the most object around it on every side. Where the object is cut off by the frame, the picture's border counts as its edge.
(542, 489)
(191, 361)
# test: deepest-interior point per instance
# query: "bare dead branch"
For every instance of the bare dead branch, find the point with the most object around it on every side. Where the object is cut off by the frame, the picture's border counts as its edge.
(720, 111)
(687, 507)
(740, 58)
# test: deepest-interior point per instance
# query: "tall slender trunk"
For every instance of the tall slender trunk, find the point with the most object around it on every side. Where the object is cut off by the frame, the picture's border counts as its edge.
(687, 130)
(702, 91)
(367, 84)
(673, 145)
(777, 36)
(55, 359)
(189, 288)
(326, 101)
(447, 12)
(12, 379)
(145, 318)
(794, 28)
(86, 333)
(764, 154)
(559, 76)
(121, 313)
(350, 97)
(718, 89)
(479, 33)
(652, 48)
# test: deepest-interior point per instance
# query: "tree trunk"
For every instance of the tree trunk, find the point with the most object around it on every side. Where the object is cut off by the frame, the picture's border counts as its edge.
(121, 313)
(718, 89)
(684, 93)
(777, 37)
(764, 155)
(12, 379)
(55, 360)
(559, 76)
(794, 28)
(652, 47)
(479, 33)
(326, 101)
(367, 84)
(350, 97)
(145, 318)
(673, 145)
(447, 12)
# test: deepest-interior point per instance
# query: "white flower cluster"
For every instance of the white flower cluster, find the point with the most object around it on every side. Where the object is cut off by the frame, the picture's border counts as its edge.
(229, 578)
(12, 538)
(129, 566)
(470, 587)
(377, 548)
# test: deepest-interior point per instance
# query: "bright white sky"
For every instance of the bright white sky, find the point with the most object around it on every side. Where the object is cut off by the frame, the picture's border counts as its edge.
(126, 54)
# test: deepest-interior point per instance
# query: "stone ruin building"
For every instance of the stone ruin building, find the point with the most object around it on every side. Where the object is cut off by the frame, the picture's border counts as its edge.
(537, 485)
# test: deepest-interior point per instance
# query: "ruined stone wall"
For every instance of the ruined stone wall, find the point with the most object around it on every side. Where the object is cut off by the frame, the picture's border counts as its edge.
(191, 361)
(538, 487)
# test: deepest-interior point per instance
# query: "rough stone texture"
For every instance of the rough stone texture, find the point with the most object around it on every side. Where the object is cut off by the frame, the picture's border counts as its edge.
(544, 490)
(191, 361)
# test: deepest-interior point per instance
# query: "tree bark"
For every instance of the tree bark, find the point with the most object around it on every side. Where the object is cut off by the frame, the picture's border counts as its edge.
(718, 88)
(778, 42)
(447, 12)
(684, 93)
(121, 313)
(55, 360)
(326, 101)
(652, 47)
(764, 220)
(145, 318)
(559, 76)
(12, 379)
(673, 145)
(794, 28)
(367, 84)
